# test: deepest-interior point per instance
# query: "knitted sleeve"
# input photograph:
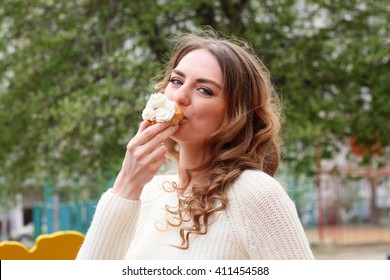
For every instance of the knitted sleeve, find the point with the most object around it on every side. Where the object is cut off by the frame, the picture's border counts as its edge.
(266, 223)
(112, 228)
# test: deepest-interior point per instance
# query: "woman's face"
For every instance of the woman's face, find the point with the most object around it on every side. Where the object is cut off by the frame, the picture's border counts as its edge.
(196, 86)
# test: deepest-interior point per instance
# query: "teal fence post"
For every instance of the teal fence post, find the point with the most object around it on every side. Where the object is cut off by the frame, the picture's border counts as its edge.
(66, 220)
(77, 207)
(37, 212)
(48, 198)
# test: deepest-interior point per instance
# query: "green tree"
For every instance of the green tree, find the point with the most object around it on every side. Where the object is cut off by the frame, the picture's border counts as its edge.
(75, 74)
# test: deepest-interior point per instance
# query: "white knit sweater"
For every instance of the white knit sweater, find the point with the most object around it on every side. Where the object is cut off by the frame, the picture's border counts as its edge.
(260, 222)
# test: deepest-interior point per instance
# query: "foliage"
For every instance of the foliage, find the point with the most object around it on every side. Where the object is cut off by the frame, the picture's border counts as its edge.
(74, 76)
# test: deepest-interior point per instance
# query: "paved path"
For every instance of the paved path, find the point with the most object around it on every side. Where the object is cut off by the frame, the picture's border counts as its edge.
(350, 235)
(352, 252)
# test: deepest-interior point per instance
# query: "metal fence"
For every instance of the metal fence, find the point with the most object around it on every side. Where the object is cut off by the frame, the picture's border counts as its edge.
(48, 219)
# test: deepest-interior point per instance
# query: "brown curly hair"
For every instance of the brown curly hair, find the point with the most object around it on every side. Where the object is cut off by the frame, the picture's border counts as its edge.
(247, 139)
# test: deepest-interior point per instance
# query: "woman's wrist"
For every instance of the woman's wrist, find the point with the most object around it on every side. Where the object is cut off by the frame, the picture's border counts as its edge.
(125, 188)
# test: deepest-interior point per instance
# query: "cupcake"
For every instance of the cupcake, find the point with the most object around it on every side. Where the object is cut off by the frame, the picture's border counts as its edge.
(160, 109)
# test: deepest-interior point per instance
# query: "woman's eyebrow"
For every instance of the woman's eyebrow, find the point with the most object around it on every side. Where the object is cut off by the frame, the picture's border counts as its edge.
(200, 80)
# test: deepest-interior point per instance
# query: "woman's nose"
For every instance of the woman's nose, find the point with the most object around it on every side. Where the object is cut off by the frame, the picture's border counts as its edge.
(182, 96)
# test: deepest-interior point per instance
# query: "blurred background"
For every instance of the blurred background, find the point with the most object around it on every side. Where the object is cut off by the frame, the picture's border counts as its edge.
(75, 75)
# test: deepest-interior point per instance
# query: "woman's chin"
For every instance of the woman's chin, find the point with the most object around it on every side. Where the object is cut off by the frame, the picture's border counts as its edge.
(181, 134)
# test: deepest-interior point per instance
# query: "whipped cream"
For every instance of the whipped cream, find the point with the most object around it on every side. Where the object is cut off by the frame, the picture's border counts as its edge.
(159, 108)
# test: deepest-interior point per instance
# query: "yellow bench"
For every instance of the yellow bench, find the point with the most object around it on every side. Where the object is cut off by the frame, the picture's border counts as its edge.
(62, 245)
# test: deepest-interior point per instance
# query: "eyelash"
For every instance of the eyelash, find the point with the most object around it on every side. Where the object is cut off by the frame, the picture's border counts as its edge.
(207, 91)
(202, 90)
(175, 81)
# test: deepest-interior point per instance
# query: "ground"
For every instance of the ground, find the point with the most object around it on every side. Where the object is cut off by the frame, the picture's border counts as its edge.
(352, 252)
(350, 242)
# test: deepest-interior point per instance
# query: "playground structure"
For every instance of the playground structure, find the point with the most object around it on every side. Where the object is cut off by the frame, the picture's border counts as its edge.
(61, 245)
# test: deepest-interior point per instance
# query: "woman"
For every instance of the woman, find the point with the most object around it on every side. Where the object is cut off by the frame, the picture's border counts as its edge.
(224, 203)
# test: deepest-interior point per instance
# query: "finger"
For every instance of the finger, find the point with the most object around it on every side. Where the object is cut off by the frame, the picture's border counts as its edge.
(141, 146)
(142, 126)
(151, 130)
(158, 139)
(155, 159)
(162, 136)
(158, 163)
(158, 153)
(145, 124)
(158, 133)
(137, 160)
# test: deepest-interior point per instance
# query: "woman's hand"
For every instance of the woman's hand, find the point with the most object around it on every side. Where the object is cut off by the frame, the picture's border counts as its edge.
(144, 156)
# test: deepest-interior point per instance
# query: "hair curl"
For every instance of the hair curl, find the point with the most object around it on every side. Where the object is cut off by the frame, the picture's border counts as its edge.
(247, 139)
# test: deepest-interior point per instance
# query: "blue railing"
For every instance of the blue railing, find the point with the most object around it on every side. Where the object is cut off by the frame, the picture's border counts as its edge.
(69, 217)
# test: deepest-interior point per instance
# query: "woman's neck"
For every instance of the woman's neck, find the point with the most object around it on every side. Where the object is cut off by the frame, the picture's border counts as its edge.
(191, 156)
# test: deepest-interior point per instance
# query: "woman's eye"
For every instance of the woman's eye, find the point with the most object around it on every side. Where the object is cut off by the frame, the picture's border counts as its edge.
(175, 81)
(205, 91)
